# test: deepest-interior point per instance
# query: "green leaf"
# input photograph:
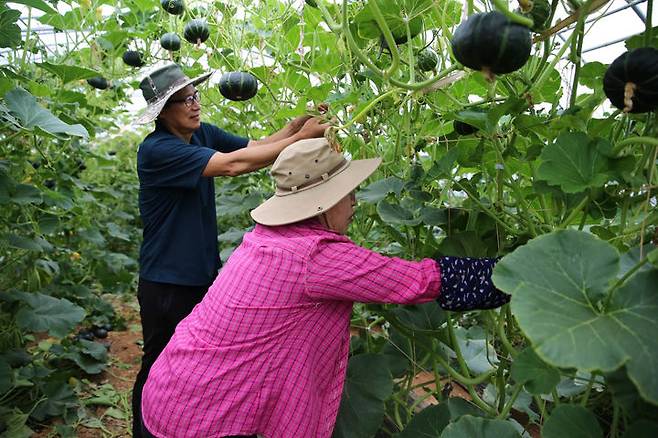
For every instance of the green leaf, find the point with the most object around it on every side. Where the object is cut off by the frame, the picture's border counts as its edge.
(367, 386)
(430, 422)
(424, 318)
(37, 4)
(478, 353)
(36, 118)
(58, 316)
(558, 284)
(379, 189)
(637, 41)
(67, 73)
(10, 33)
(591, 74)
(574, 163)
(642, 429)
(537, 376)
(59, 398)
(15, 422)
(395, 214)
(24, 194)
(476, 427)
(5, 376)
(571, 421)
(37, 244)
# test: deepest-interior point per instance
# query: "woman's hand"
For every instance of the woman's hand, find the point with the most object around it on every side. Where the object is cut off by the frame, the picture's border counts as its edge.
(312, 128)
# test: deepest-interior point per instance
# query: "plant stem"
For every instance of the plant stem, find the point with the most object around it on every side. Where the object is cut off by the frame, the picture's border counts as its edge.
(368, 107)
(574, 212)
(623, 279)
(27, 37)
(631, 140)
(515, 394)
(388, 37)
(514, 18)
(577, 48)
(647, 24)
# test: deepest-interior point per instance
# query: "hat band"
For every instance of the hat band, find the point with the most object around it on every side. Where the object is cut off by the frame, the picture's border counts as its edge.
(157, 96)
(284, 191)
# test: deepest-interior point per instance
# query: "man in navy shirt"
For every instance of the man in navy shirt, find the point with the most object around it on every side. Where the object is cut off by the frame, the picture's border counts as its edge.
(179, 258)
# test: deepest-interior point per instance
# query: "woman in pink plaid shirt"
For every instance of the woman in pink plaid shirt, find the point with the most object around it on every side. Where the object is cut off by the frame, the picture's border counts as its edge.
(266, 350)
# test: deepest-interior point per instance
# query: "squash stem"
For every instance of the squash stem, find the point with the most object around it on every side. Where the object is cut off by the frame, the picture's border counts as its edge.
(353, 46)
(513, 17)
(647, 32)
(577, 48)
(631, 140)
(388, 37)
(575, 212)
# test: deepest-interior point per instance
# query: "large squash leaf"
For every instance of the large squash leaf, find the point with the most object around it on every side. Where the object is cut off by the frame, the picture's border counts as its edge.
(67, 73)
(571, 421)
(537, 376)
(476, 427)
(34, 117)
(10, 33)
(574, 162)
(368, 384)
(58, 316)
(431, 421)
(559, 283)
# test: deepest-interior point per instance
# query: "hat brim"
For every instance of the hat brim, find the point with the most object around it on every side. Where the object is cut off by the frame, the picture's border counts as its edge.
(295, 207)
(154, 108)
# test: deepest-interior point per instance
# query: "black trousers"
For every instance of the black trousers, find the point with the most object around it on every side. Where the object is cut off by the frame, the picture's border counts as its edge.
(161, 307)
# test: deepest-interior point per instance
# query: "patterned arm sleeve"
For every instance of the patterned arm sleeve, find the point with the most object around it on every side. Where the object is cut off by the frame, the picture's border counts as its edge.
(466, 284)
(342, 270)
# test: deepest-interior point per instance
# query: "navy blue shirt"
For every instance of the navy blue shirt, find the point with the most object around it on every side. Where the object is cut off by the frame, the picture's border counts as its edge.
(177, 205)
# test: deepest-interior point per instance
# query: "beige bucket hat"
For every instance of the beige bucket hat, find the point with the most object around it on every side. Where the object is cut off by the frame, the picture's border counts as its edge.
(159, 85)
(310, 178)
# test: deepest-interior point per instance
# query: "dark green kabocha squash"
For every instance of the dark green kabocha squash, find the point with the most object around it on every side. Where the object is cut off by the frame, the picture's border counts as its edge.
(463, 128)
(539, 12)
(631, 81)
(174, 7)
(196, 31)
(99, 82)
(427, 60)
(170, 41)
(491, 43)
(238, 85)
(133, 58)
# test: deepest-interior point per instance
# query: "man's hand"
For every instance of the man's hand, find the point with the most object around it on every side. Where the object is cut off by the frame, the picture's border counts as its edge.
(312, 128)
(296, 124)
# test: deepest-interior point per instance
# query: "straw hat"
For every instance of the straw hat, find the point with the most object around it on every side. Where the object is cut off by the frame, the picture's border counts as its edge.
(159, 85)
(310, 178)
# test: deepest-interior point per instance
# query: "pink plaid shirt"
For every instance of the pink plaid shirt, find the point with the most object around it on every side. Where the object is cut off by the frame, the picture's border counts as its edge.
(266, 350)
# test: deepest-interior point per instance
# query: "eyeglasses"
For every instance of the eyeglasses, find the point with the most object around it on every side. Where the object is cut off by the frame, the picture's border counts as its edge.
(189, 100)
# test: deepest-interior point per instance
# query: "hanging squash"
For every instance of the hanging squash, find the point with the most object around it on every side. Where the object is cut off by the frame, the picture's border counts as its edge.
(427, 60)
(631, 81)
(539, 12)
(174, 7)
(170, 41)
(196, 31)
(99, 82)
(133, 58)
(238, 85)
(463, 128)
(491, 43)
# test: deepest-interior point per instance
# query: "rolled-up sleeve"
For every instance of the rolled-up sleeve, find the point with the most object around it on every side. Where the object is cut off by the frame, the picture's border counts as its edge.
(342, 270)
